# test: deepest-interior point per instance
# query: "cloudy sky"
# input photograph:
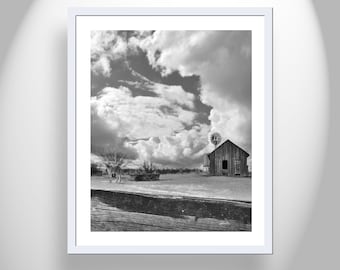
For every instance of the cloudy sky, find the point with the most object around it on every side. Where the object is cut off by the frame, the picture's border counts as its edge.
(158, 95)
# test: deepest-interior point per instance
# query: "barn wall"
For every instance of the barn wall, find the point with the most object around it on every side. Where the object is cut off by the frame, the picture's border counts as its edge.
(228, 151)
(212, 164)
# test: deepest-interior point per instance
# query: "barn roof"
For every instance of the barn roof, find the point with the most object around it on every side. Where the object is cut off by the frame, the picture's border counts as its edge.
(225, 143)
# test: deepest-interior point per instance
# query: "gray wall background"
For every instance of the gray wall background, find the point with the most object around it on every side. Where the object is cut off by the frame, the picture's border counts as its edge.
(38, 243)
(320, 244)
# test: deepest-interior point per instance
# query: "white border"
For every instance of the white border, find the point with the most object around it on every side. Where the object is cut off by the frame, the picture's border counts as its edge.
(80, 239)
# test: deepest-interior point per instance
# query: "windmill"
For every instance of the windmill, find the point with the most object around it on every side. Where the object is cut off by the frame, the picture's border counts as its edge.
(215, 139)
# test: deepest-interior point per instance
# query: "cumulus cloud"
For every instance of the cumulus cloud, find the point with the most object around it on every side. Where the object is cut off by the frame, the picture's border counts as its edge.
(180, 149)
(104, 137)
(172, 93)
(107, 46)
(140, 116)
(102, 66)
(124, 121)
(161, 127)
(234, 124)
(222, 59)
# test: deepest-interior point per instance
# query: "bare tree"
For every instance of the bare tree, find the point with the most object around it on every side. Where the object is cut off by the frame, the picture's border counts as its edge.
(113, 162)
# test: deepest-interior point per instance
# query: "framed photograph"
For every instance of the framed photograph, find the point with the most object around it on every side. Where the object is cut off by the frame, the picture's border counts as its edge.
(170, 131)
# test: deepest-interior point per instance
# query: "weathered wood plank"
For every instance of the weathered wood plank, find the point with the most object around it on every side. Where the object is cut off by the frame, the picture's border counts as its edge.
(108, 218)
(176, 207)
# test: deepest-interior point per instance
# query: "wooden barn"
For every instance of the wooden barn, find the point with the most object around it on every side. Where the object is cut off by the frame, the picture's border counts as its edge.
(228, 159)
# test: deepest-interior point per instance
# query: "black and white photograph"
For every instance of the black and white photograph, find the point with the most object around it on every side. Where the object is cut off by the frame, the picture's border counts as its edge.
(171, 130)
(120, 121)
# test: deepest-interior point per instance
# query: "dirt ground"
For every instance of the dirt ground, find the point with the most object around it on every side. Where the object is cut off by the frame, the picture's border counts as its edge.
(191, 185)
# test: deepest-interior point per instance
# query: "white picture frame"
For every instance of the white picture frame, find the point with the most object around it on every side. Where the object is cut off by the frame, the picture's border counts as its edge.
(80, 238)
